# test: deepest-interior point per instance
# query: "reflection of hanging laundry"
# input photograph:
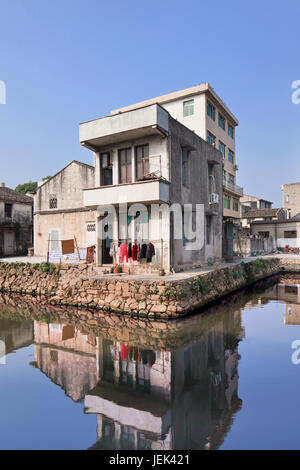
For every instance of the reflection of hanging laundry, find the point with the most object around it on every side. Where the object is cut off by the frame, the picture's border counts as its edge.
(123, 252)
(68, 332)
(148, 357)
(136, 355)
(124, 351)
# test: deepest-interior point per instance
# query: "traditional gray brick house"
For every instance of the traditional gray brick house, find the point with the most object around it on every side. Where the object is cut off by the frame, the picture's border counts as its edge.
(16, 222)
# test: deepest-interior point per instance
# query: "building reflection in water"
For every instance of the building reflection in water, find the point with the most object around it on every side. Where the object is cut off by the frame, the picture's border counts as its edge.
(14, 335)
(145, 396)
(289, 294)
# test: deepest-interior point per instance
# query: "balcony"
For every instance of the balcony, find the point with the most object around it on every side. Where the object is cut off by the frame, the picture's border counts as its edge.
(129, 125)
(140, 192)
(233, 187)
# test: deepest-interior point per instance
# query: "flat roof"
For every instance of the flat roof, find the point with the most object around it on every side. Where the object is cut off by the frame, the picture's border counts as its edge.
(195, 90)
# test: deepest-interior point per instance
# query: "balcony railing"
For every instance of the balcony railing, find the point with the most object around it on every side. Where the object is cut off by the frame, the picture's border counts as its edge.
(233, 187)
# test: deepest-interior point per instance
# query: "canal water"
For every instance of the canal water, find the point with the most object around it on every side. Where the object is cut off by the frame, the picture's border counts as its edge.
(228, 378)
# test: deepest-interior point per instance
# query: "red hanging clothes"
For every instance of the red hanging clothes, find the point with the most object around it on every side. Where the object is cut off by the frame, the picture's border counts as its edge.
(123, 252)
(124, 351)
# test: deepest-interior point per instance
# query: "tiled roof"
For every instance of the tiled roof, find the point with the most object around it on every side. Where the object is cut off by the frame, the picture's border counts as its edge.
(258, 213)
(10, 195)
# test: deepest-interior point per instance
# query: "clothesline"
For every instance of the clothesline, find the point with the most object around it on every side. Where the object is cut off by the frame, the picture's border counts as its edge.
(134, 251)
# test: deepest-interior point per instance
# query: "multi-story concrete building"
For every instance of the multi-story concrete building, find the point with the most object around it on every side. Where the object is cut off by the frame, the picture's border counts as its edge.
(253, 203)
(15, 222)
(144, 156)
(200, 109)
(291, 198)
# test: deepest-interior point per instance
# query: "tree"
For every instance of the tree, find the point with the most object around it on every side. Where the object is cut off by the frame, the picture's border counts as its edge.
(26, 187)
(29, 187)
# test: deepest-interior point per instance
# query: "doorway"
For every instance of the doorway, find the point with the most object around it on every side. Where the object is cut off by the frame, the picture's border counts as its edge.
(106, 243)
(9, 242)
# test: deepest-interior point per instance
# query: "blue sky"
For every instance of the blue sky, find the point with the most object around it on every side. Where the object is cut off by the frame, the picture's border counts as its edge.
(68, 61)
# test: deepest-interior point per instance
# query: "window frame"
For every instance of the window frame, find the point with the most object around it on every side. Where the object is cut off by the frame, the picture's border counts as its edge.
(208, 232)
(188, 107)
(221, 119)
(235, 204)
(128, 165)
(230, 152)
(223, 154)
(104, 169)
(185, 164)
(228, 198)
(231, 133)
(53, 202)
(143, 159)
(8, 209)
(211, 110)
(210, 137)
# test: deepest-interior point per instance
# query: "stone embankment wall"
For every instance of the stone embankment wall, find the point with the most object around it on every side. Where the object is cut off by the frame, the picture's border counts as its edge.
(74, 285)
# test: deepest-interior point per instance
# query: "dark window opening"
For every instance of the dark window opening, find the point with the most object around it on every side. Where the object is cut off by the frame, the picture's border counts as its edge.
(290, 234)
(185, 167)
(8, 210)
(208, 229)
(53, 203)
(106, 169)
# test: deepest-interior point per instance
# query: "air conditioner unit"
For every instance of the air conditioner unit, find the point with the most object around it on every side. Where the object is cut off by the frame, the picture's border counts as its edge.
(214, 198)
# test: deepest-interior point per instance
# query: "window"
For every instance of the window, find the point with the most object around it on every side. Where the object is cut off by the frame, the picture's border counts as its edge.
(211, 139)
(141, 160)
(184, 166)
(188, 108)
(208, 229)
(211, 111)
(287, 198)
(230, 156)
(8, 210)
(230, 178)
(264, 234)
(106, 169)
(125, 173)
(211, 179)
(290, 234)
(226, 201)
(222, 148)
(224, 176)
(221, 122)
(91, 227)
(230, 131)
(53, 203)
(235, 203)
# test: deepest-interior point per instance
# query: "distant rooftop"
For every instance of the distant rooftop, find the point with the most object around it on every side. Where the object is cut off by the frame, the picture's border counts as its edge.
(195, 90)
(257, 213)
(10, 195)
